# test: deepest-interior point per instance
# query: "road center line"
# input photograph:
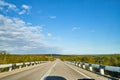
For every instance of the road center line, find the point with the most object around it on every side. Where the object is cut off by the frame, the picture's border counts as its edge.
(78, 71)
(48, 72)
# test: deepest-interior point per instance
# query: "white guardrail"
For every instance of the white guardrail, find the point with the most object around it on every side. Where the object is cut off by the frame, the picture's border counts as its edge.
(90, 67)
(20, 65)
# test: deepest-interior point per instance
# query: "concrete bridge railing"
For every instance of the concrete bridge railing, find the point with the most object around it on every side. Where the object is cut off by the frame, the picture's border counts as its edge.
(20, 65)
(90, 67)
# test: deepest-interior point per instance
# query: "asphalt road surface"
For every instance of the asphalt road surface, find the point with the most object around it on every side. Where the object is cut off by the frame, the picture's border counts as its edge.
(56, 70)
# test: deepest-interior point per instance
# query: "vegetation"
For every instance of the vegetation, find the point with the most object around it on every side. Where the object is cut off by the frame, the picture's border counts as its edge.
(15, 58)
(110, 60)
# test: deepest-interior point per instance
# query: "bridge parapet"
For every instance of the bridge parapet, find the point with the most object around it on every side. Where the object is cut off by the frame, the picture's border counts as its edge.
(20, 65)
(101, 68)
(112, 68)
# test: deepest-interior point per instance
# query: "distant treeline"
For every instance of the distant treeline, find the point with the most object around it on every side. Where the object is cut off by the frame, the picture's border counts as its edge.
(16, 58)
(111, 60)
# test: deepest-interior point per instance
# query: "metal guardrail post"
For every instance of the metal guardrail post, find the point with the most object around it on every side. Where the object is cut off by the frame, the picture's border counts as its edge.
(102, 70)
(83, 66)
(19, 65)
(79, 65)
(76, 63)
(10, 68)
(90, 67)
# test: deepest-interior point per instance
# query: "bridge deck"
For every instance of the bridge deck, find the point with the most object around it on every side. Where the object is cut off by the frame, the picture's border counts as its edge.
(48, 71)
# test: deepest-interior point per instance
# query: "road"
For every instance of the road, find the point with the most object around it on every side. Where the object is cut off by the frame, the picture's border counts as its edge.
(56, 70)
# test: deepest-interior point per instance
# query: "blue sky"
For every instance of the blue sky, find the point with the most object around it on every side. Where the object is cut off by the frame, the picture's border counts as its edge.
(60, 26)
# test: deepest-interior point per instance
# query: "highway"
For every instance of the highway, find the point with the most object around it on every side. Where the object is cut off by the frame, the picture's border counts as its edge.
(56, 70)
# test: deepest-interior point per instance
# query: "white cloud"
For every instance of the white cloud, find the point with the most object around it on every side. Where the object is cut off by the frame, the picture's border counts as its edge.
(18, 37)
(22, 12)
(75, 28)
(53, 38)
(28, 23)
(49, 35)
(8, 6)
(52, 17)
(26, 7)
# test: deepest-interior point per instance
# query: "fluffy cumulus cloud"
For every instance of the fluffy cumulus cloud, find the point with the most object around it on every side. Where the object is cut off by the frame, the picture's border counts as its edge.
(25, 8)
(4, 6)
(17, 36)
(22, 12)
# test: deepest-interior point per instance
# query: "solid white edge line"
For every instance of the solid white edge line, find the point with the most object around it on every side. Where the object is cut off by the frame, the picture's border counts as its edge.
(48, 72)
(78, 71)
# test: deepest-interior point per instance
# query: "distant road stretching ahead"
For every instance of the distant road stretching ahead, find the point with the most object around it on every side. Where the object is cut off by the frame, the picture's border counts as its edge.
(56, 70)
